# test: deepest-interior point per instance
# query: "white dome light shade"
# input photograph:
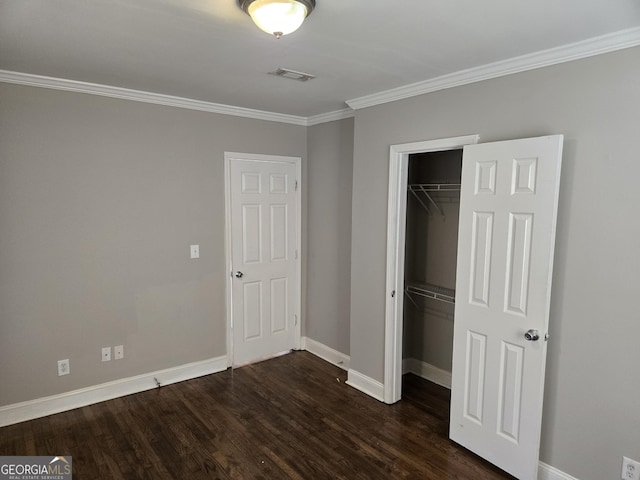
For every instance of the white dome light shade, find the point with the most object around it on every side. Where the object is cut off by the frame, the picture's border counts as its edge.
(278, 17)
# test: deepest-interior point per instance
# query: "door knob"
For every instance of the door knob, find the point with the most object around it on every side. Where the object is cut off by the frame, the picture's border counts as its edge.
(532, 335)
(239, 274)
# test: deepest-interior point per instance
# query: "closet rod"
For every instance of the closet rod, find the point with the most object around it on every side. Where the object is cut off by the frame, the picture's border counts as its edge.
(423, 204)
(435, 187)
(425, 188)
(433, 292)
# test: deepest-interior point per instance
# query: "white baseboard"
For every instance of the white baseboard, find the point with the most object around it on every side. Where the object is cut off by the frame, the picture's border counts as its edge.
(365, 384)
(41, 407)
(547, 472)
(328, 354)
(443, 378)
(427, 371)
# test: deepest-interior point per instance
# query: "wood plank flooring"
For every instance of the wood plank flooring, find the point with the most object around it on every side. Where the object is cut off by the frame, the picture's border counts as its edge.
(292, 417)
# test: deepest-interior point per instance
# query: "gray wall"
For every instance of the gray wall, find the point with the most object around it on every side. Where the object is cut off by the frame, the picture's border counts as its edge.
(330, 172)
(428, 328)
(99, 202)
(592, 390)
(100, 199)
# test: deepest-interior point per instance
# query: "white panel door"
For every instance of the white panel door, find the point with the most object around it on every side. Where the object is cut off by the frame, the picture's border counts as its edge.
(263, 258)
(508, 206)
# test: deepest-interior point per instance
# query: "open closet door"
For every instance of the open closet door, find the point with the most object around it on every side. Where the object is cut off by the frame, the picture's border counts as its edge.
(508, 206)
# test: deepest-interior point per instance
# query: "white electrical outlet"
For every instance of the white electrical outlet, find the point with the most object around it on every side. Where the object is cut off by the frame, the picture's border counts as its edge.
(118, 352)
(106, 354)
(630, 469)
(195, 251)
(63, 367)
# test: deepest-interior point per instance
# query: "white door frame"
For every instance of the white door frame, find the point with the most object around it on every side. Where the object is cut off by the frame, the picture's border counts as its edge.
(396, 225)
(297, 162)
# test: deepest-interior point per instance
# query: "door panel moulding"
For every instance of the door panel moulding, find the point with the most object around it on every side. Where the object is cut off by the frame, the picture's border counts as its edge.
(297, 162)
(503, 284)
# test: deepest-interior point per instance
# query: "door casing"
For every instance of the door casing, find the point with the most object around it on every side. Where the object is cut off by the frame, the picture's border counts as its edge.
(297, 162)
(396, 224)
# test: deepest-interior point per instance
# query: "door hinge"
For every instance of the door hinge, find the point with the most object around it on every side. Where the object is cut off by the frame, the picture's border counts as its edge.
(295, 187)
(295, 319)
(393, 293)
(296, 255)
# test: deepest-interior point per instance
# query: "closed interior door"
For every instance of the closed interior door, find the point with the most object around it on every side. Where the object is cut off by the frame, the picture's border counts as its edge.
(506, 242)
(264, 264)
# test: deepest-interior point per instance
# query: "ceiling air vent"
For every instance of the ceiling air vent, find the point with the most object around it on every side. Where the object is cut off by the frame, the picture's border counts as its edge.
(292, 74)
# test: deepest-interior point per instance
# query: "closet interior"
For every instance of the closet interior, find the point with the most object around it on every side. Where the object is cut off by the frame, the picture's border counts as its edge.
(433, 207)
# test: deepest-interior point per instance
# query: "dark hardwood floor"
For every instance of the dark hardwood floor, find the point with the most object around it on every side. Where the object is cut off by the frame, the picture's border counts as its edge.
(289, 417)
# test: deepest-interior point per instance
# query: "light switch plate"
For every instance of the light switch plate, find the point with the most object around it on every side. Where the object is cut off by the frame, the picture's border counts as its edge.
(195, 251)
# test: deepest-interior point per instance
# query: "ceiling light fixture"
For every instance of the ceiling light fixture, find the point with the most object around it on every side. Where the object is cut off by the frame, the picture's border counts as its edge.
(278, 17)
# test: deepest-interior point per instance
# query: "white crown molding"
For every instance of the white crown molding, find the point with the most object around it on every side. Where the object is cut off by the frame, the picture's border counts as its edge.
(41, 407)
(146, 97)
(330, 116)
(566, 53)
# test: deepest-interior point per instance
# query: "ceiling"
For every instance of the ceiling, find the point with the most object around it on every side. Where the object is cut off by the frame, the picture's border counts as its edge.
(209, 50)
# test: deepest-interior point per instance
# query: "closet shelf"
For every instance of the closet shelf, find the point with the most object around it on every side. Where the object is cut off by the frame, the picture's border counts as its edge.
(427, 190)
(430, 291)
